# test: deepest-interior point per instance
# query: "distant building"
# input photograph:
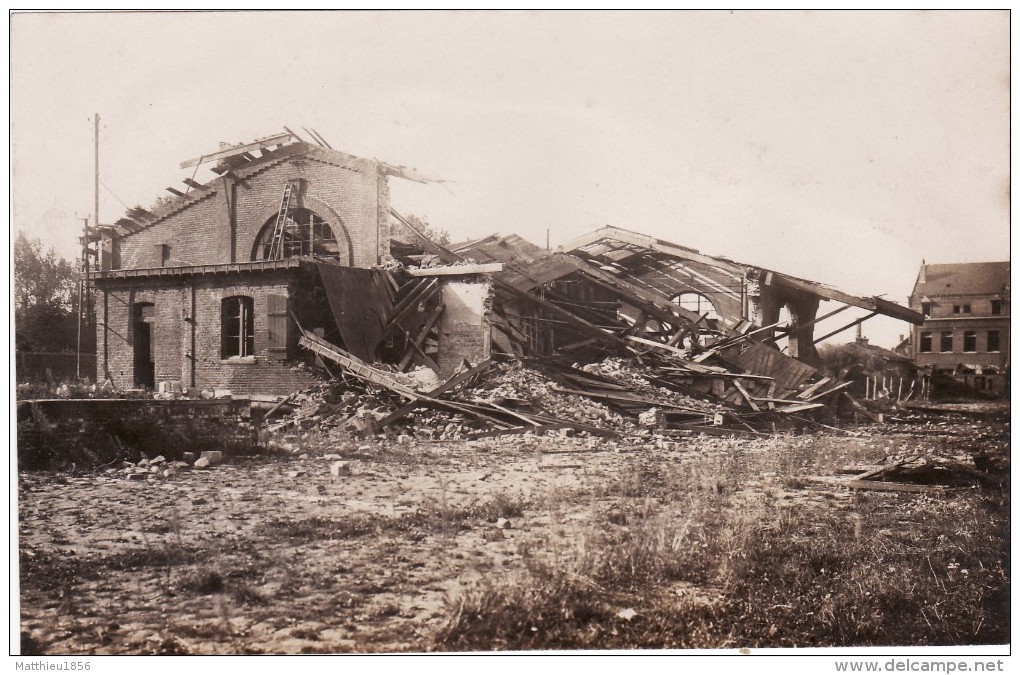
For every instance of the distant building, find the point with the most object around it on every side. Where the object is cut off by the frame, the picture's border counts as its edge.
(966, 328)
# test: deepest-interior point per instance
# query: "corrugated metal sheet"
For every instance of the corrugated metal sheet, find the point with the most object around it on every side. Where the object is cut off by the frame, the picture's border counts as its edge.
(360, 306)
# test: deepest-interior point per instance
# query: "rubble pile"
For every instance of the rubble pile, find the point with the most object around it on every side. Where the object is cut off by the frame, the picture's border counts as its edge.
(516, 383)
(719, 392)
(514, 397)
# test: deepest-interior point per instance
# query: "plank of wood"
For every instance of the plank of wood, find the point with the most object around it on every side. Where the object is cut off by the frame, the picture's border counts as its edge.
(813, 388)
(420, 337)
(258, 144)
(450, 270)
(886, 467)
(279, 405)
(747, 397)
(513, 413)
(800, 407)
(654, 303)
(355, 365)
(830, 391)
(421, 293)
(622, 396)
(891, 486)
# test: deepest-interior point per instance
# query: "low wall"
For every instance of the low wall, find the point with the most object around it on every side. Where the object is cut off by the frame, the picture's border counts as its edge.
(54, 366)
(56, 433)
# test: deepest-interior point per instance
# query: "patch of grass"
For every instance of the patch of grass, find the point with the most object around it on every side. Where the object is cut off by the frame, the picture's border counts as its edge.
(318, 529)
(716, 568)
(246, 595)
(204, 583)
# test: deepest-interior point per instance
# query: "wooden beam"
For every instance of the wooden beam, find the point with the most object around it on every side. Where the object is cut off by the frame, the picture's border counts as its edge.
(813, 388)
(654, 244)
(412, 297)
(445, 254)
(580, 324)
(175, 191)
(449, 257)
(849, 325)
(825, 393)
(194, 184)
(452, 270)
(420, 338)
(877, 305)
(258, 144)
(654, 303)
(445, 387)
(747, 397)
(812, 322)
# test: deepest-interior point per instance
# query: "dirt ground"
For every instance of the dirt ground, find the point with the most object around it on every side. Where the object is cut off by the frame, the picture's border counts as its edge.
(275, 554)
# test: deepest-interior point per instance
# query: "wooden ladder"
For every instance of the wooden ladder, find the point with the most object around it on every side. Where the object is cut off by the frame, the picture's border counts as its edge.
(276, 247)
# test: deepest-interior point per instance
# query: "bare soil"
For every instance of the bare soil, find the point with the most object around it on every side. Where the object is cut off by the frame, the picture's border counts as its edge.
(275, 554)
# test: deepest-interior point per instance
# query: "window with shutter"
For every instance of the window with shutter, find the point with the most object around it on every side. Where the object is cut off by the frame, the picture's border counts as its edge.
(278, 321)
(237, 329)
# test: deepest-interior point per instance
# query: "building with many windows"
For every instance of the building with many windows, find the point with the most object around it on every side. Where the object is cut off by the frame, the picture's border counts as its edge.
(966, 325)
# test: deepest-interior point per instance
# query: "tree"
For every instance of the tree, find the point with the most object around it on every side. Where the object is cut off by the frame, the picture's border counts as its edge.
(45, 298)
(435, 234)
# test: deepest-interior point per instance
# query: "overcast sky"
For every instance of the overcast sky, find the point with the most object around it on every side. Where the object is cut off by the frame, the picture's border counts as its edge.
(841, 147)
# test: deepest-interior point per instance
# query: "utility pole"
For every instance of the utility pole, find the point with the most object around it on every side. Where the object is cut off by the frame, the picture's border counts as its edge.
(95, 204)
(85, 281)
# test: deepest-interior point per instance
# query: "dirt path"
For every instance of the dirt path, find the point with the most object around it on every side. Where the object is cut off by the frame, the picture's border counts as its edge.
(278, 555)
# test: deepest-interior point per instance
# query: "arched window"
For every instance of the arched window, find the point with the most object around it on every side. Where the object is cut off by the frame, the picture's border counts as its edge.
(697, 303)
(237, 327)
(305, 233)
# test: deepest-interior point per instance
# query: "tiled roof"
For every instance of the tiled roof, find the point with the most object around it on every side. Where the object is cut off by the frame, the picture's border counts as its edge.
(962, 279)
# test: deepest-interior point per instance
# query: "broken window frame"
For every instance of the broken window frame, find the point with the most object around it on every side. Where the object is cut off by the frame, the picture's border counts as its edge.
(994, 341)
(925, 343)
(970, 341)
(305, 233)
(237, 327)
(946, 341)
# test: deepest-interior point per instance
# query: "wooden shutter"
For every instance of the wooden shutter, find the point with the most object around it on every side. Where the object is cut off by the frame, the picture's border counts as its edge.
(277, 315)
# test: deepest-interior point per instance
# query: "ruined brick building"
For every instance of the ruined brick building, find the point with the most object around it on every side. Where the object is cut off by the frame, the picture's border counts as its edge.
(235, 282)
(206, 291)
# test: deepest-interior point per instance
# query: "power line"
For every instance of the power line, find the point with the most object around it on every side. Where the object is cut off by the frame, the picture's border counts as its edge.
(126, 207)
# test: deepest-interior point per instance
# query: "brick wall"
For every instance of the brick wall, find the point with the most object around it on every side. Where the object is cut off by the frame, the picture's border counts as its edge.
(352, 196)
(90, 432)
(197, 235)
(187, 334)
(948, 360)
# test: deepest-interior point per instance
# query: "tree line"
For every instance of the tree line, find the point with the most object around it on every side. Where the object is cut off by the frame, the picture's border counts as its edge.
(46, 300)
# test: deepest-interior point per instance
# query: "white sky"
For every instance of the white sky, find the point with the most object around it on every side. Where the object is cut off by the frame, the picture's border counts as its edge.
(841, 147)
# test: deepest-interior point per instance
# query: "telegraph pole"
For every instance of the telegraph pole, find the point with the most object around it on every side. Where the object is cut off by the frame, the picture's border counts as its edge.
(84, 282)
(95, 203)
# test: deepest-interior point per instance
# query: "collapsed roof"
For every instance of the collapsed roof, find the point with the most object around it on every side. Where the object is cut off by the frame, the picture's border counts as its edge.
(239, 162)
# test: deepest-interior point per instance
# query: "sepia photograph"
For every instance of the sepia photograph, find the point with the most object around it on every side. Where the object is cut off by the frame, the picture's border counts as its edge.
(634, 333)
